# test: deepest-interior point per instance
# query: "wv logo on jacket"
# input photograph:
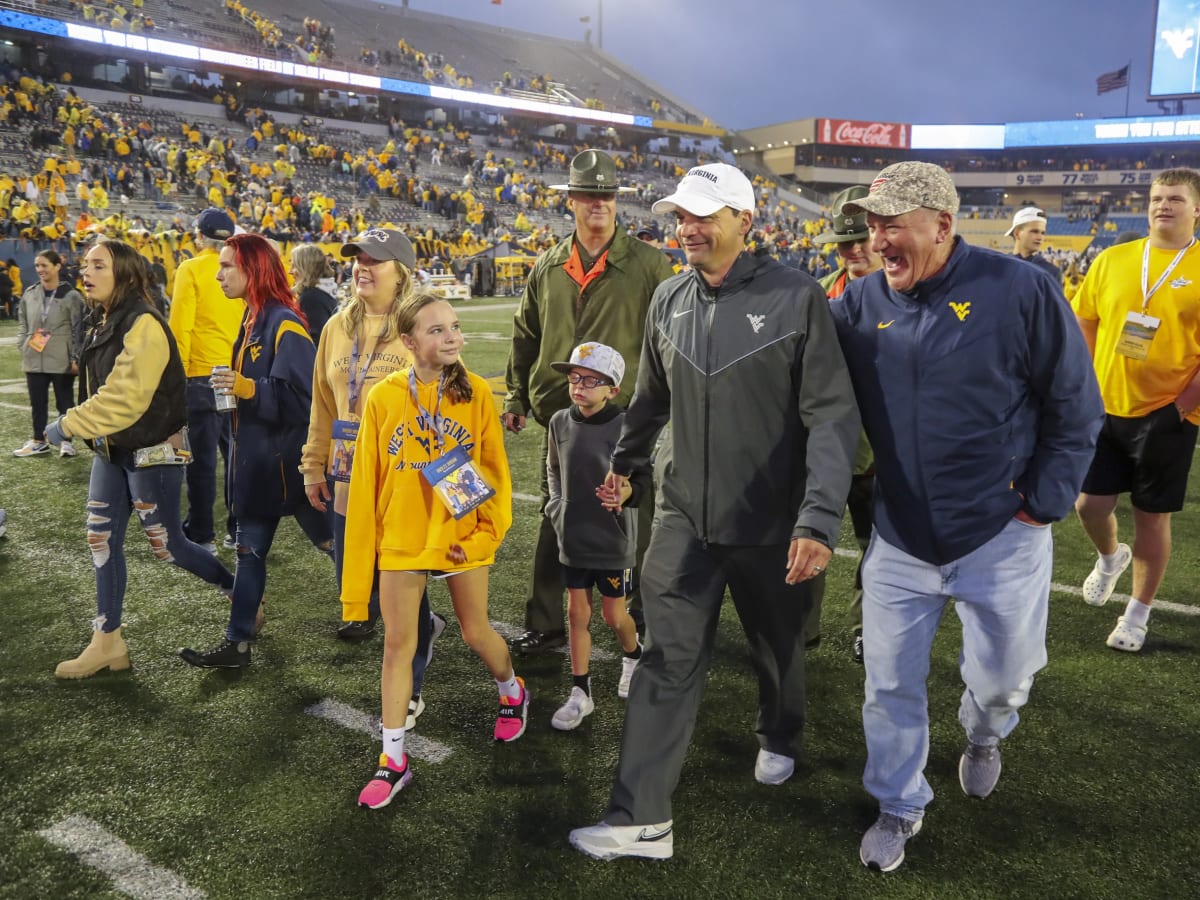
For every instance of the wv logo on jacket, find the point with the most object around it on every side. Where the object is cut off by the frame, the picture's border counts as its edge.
(756, 322)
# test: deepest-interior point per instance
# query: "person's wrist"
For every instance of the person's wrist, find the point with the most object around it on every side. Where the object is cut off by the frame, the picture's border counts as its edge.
(1183, 413)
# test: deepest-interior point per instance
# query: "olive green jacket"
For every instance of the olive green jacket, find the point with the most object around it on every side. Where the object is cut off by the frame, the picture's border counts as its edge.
(555, 316)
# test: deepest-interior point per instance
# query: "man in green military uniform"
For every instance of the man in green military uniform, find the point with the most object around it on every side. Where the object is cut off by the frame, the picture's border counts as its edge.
(594, 286)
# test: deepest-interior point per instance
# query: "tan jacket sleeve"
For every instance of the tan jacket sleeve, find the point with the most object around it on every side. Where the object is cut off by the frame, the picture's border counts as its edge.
(126, 394)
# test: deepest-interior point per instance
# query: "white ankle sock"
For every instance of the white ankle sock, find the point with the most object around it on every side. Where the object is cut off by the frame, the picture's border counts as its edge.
(393, 744)
(510, 689)
(1137, 612)
(1108, 561)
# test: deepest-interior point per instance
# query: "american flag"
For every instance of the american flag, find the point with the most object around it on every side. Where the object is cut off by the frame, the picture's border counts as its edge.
(1113, 81)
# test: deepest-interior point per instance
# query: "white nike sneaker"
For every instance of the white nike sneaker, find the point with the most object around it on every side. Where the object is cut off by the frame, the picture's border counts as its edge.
(67, 449)
(773, 768)
(605, 841)
(572, 713)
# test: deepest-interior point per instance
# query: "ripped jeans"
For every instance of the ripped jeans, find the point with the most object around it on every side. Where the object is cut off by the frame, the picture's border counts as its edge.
(116, 489)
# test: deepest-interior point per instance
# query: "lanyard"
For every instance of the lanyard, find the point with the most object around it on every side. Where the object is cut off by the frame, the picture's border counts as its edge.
(46, 298)
(358, 376)
(436, 418)
(1147, 294)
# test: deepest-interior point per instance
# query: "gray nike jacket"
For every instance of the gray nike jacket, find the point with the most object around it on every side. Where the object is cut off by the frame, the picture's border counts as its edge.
(762, 423)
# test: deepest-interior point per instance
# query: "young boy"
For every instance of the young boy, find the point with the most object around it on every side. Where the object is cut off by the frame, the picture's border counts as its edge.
(597, 533)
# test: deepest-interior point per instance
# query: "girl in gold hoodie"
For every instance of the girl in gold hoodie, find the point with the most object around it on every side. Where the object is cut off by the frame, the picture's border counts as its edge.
(414, 419)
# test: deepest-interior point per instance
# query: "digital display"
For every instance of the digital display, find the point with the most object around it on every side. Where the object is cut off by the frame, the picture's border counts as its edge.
(1175, 50)
(957, 137)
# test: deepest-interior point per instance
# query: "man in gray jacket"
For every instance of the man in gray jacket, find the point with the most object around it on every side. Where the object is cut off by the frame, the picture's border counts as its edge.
(741, 357)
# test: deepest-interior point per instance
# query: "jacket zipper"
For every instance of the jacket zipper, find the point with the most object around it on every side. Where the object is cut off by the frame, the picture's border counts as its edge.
(708, 351)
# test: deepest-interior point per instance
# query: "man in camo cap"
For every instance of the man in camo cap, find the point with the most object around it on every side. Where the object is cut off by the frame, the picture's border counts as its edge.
(977, 395)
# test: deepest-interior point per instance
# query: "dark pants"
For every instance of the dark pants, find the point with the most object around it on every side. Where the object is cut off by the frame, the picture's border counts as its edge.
(208, 431)
(544, 608)
(255, 534)
(684, 586)
(39, 397)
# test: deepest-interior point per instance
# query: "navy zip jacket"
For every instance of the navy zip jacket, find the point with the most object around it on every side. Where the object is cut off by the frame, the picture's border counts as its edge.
(270, 428)
(978, 396)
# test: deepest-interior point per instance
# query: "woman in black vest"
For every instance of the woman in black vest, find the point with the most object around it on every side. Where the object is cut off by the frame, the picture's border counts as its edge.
(132, 413)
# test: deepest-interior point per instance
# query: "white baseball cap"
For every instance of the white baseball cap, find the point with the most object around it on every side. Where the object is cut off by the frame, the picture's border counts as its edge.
(1024, 217)
(706, 189)
(599, 358)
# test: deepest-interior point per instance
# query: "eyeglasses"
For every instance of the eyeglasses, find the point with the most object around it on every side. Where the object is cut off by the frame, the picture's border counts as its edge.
(588, 381)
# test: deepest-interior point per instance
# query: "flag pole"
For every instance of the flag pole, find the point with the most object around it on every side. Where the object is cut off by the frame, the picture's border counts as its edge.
(1128, 82)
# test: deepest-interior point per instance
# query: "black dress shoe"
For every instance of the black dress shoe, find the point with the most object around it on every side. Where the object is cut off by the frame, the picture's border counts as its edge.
(226, 655)
(538, 641)
(357, 631)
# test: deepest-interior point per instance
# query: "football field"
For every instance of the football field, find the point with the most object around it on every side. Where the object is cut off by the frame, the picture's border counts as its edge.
(167, 781)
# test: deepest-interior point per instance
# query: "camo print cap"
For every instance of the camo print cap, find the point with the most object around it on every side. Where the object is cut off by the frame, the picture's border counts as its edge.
(905, 186)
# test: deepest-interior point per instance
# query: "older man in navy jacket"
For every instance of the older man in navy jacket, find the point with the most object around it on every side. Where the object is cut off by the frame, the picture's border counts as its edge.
(978, 397)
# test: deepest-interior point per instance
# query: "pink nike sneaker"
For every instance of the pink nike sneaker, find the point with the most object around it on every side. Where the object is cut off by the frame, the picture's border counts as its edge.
(510, 724)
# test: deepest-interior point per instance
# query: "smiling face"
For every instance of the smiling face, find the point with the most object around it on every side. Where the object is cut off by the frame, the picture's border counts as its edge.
(712, 243)
(913, 246)
(375, 280)
(98, 280)
(436, 338)
(47, 272)
(1173, 211)
(231, 278)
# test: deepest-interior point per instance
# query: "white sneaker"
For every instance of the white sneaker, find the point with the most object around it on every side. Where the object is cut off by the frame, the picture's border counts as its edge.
(611, 841)
(773, 768)
(627, 667)
(32, 448)
(577, 708)
(1099, 585)
(1126, 636)
(67, 449)
(416, 706)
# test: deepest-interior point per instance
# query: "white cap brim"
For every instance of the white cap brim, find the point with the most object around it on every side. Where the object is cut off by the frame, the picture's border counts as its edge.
(696, 204)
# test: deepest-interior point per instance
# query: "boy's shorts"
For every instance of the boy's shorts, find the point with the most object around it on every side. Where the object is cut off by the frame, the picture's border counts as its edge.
(609, 582)
(1148, 456)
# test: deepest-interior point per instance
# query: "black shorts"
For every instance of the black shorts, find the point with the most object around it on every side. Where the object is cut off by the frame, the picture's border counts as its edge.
(1148, 457)
(609, 582)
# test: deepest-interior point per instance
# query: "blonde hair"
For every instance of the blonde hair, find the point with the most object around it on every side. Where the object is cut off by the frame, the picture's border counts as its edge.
(356, 307)
(310, 266)
(458, 385)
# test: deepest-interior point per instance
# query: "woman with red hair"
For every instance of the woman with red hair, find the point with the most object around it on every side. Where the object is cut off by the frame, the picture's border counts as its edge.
(271, 377)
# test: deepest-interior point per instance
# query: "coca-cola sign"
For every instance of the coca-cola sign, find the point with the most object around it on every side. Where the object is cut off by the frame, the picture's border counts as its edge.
(862, 134)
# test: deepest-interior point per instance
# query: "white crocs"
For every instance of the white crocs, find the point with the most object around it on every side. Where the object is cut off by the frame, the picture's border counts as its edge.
(1099, 585)
(1127, 636)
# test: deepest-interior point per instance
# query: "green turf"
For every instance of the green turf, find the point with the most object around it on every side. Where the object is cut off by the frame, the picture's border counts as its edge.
(221, 777)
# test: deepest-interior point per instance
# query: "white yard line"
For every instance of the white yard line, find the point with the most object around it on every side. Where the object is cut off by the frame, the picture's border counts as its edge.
(131, 873)
(532, 498)
(339, 713)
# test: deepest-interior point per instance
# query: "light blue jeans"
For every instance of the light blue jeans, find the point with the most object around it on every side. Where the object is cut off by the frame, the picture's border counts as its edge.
(115, 491)
(1001, 593)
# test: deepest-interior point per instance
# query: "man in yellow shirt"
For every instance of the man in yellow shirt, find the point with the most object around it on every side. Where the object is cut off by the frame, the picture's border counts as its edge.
(1145, 345)
(205, 323)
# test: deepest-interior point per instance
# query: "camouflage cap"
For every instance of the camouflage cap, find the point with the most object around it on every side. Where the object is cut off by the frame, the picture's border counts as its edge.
(905, 186)
(846, 228)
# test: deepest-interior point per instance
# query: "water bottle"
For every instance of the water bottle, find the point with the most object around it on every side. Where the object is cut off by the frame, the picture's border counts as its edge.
(226, 401)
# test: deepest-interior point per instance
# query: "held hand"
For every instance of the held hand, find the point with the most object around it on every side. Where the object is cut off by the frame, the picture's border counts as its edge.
(54, 432)
(614, 498)
(806, 560)
(1025, 517)
(74, 369)
(456, 554)
(513, 422)
(318, 495)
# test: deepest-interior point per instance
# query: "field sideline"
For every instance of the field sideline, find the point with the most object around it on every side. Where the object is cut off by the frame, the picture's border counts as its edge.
(166, 781)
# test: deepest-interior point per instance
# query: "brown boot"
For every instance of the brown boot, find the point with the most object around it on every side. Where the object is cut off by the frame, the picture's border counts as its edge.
(106, 651)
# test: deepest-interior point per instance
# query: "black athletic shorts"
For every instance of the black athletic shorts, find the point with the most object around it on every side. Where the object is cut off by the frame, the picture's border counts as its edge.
(609, 582)
(1148, 457)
